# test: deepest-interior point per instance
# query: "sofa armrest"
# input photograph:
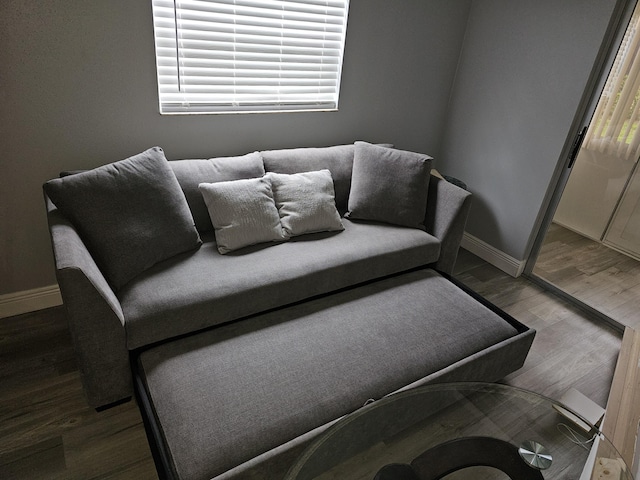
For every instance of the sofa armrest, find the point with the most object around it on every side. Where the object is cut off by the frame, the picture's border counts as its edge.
(94, 315)
(447, 211)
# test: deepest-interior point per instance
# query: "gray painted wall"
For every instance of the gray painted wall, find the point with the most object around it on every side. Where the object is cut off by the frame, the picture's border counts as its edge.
(78, 89)
(523, 71)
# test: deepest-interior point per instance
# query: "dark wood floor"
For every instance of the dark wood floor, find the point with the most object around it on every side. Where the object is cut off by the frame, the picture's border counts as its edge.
(47, 431)
(599, 276)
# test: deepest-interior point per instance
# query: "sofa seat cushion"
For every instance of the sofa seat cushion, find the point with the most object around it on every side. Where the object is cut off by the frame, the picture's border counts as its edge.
(200, 289)
(227, 395)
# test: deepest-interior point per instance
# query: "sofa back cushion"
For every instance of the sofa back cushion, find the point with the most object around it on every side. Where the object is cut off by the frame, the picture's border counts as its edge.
(337, 159)
(191, 173)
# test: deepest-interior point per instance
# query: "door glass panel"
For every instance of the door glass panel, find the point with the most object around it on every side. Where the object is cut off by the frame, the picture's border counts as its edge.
(591, 250)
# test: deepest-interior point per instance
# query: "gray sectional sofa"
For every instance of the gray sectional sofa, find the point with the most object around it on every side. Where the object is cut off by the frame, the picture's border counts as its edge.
(167, 260)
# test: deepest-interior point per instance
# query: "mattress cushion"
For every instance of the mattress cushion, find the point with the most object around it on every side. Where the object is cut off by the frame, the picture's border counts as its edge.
(229, 394)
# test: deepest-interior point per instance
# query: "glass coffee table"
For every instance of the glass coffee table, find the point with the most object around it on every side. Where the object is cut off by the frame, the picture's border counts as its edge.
(460, 431)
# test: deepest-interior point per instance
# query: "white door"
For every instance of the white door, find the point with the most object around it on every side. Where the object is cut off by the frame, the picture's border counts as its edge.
(624, 232)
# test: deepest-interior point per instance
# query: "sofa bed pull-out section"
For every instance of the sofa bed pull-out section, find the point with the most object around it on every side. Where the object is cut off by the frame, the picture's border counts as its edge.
(241, 400)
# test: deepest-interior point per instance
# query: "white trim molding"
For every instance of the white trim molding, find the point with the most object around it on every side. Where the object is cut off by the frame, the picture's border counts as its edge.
(495, 257)
(29, 301)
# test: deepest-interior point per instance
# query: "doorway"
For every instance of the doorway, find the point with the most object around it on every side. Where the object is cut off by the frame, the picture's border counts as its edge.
(591, 249)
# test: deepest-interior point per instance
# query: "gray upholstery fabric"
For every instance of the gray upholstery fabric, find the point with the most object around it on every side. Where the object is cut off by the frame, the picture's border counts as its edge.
(220, 404)
(203, 288)
(389, 185)
(337, 159)
(306, 202)
(447, 210)
(243, 212)
(191, 173)
(488, 365)
(131, 214)
(95, 319)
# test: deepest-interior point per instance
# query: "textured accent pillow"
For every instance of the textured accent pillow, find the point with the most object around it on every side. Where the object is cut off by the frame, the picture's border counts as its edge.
(306, 202)
(191, 173)
(389, 185)
(338, 159)
(243, 213)
(131, 214)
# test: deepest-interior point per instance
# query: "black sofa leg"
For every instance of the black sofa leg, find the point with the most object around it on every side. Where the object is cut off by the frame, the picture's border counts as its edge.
(113, 404)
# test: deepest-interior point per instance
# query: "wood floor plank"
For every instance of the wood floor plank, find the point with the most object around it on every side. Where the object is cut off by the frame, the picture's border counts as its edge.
(42, 459)
(48, 431)
(601, 277)
(570, 349)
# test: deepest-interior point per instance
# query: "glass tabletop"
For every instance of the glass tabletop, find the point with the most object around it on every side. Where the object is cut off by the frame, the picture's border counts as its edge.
(461, 431)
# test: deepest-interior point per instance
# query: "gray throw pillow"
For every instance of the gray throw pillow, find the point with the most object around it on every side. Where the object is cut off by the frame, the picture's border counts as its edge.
(306, 202)
(191, 173)
(243, 213)
(131, 214)
(389, 185)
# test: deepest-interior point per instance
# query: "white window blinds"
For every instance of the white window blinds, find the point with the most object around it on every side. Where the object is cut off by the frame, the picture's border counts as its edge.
(232, 56)
(614, 127)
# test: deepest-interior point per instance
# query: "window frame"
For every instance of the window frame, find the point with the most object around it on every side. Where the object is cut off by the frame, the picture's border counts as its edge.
(223, 56)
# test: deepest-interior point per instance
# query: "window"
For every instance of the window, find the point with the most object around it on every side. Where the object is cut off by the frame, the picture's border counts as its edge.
(234, 56)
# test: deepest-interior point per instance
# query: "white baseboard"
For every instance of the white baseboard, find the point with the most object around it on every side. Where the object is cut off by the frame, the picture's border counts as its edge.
(495, 257)
(29, 301)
